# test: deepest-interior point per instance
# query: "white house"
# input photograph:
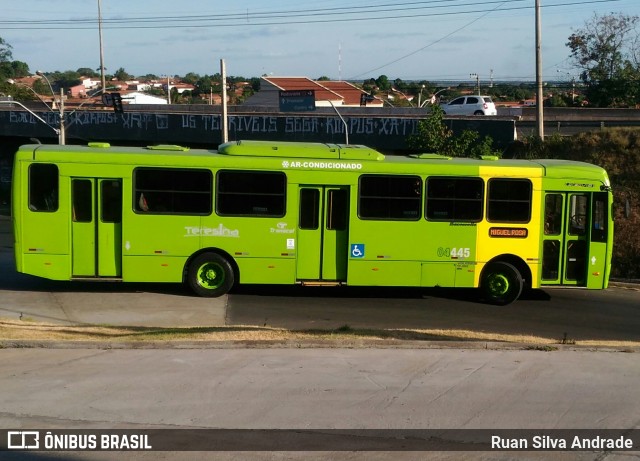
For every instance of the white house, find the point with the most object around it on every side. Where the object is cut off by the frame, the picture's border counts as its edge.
(142, 98)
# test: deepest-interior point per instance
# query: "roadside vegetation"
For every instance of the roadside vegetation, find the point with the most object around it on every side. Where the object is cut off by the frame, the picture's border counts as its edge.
(26, 333)
(434, 136)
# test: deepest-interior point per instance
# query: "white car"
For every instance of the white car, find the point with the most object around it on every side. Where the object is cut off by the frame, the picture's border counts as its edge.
(470, 105)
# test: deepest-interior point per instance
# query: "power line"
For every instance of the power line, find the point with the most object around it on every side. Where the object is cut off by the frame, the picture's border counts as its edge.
(162, 22)
(248, 16)
(430, 44)
(486, 13)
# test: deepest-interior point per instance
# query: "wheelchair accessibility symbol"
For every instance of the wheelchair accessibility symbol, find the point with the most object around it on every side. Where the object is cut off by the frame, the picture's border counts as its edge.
(357, 250)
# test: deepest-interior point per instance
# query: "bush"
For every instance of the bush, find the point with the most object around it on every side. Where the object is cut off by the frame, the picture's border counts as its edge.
(433, 136)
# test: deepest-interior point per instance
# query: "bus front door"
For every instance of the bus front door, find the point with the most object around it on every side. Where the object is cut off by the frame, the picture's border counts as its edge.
(96, 228)
(323, 233)
(574, 244)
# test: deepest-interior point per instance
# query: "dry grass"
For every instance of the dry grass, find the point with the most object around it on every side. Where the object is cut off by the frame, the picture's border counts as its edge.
(12, 330)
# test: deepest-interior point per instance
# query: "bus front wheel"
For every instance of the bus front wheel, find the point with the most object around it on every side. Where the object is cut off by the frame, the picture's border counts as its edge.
(210, 275)
(501, 283)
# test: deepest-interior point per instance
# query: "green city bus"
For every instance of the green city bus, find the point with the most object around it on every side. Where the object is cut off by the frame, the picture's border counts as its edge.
(258, 212)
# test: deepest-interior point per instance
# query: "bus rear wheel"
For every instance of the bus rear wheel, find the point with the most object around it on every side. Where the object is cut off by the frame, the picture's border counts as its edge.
(501, 283)
(210, 275)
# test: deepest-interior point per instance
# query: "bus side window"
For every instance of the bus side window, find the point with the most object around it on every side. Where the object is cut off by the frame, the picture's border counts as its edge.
(509, 200)
(43, 187)
(552, 214)
(578, 214)
(599, 217)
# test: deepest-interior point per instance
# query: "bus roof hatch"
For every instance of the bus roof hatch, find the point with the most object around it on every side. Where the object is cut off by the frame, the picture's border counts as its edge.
(299, 150)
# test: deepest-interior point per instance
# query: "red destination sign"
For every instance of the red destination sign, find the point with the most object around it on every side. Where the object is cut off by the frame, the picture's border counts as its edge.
(508, 232)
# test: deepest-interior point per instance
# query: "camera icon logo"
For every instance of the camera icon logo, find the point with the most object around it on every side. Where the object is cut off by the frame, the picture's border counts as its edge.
(23, 440)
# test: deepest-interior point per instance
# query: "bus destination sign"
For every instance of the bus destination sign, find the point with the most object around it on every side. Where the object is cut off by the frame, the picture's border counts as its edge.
(509, 232)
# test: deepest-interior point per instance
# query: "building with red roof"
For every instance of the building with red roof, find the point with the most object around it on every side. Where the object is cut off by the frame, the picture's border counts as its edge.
(327, 92)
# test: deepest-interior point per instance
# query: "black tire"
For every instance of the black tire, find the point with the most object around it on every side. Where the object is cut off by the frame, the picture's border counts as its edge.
(210, 275)
(478, 112)
(501, 283)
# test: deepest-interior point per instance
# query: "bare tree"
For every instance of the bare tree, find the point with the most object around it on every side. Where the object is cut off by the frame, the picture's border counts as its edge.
(604, 45)
(606, 50)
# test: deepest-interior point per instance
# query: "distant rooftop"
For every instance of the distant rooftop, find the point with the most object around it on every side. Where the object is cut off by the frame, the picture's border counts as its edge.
(340, 93)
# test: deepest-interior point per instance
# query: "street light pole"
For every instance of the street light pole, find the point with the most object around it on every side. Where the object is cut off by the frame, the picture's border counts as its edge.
(573, 87)
(62, 135)
(434, 96)
(539, 91)
(477, 77)
(61, 132)
(11, 81)
(33, 114)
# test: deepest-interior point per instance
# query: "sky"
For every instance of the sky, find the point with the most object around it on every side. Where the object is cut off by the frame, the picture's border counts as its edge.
(341, 39)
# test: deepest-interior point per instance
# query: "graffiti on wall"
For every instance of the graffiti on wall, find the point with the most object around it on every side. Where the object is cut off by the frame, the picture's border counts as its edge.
(377, 132)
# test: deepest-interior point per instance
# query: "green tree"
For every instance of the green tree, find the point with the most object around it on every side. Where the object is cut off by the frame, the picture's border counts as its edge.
(65, 79)
(433, 136)
(383, 83)
(7, 67)
(5, 51)
(191, 78)
(121, 75)
(606, 51)
(149, 77)
(87, 72)
(13, 69)
(255, 83)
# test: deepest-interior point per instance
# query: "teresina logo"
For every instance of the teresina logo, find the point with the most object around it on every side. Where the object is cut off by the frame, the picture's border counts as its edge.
(220, 231)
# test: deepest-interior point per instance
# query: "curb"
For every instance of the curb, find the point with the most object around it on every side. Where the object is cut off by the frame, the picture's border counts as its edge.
(310, 344)
(625, 284)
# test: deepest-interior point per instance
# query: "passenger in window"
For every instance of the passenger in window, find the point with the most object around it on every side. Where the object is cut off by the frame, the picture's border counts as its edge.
(551, 223)
(417, 187)
(142, 203)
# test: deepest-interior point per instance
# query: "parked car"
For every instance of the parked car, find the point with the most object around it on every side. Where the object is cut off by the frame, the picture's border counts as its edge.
(470, 105)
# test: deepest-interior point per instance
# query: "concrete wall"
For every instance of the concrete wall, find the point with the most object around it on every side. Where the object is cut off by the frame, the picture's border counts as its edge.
(384, 130)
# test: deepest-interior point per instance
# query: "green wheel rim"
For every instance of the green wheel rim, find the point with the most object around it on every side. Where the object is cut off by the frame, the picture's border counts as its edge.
(210, 276)
(498, 284)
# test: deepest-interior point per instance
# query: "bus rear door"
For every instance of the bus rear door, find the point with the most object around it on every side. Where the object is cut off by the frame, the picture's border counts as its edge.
(323, 233)
(575, 239)
(96, 230)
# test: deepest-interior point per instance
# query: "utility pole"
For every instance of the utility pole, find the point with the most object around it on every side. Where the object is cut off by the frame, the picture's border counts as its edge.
(539, 90)
(225, 128)
(102, 76)
(62, 135)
